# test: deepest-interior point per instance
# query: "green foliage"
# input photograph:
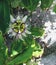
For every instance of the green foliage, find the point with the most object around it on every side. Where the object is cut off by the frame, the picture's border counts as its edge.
(36, 31)
(21, 51)
(28, 39)
(54, 9)
(46, 3)
(22, 57)
(15, 3)
(4, 15)
(33, 49)
(17, 47)
(38, 53)
(2, 50)
(20, 46)
(30, 4)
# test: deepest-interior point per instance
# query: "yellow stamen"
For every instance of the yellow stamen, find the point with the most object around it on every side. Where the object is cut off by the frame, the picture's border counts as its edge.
(18, 26)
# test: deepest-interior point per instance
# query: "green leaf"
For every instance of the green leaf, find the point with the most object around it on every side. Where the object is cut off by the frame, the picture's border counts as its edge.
(1, 39)
(54, 8)
(15, 3)
(38, 53)
(46, 3)
(2, 50)
(4, 15)
(16, 47)
(36, 31)
(26, 55)
(30, 4)
(28, 40)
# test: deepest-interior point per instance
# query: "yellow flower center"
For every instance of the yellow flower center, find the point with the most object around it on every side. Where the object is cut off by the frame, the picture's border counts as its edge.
(18, 26)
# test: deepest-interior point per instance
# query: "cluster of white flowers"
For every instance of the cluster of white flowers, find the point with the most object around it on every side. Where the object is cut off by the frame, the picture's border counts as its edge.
(18, 27)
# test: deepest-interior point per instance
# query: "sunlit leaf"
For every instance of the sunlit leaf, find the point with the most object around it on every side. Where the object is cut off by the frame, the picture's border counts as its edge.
(38, 53)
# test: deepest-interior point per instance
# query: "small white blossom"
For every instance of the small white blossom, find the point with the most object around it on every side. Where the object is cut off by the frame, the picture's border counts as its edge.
(18, 27)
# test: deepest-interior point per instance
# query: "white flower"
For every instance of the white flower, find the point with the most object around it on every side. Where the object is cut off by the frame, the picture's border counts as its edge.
(18, 27)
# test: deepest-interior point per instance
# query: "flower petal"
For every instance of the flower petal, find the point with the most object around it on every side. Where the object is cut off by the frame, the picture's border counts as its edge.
(26, 25)
(12, 19)
(24, 34)
(24, 19)
(10, 30)
(18, 18)
(20, 37)
(28, 32)
(13, 34)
